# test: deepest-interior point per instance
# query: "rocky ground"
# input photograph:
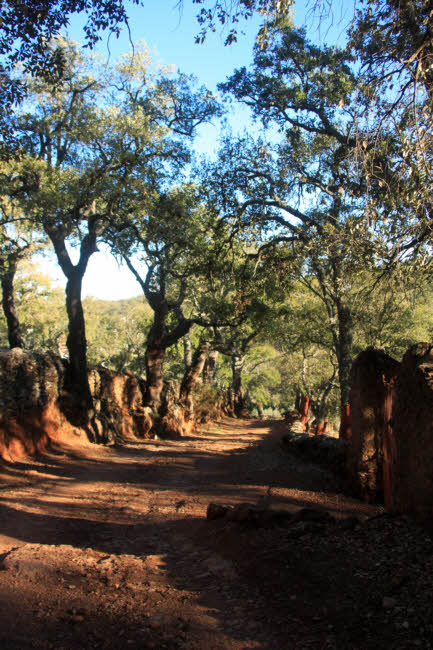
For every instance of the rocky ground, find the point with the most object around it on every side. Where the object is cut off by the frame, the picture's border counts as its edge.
(111, 548)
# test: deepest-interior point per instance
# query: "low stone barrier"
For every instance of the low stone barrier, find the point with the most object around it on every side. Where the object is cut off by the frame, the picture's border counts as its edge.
(324, 450)
(32, 398)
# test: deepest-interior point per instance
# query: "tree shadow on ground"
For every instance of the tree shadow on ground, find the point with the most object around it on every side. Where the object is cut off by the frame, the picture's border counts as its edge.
(150, 499)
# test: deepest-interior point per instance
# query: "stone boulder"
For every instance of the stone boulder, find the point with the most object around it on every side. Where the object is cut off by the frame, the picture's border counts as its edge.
(323, 450)
(373, 378)
(412, 445)
(30, 388)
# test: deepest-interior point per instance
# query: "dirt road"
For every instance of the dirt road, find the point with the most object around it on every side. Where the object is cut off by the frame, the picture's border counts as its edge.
(110, 548)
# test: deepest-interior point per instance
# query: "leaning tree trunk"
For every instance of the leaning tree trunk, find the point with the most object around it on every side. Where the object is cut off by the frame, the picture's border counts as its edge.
(9, 308)
(238, 391)
(190, 379)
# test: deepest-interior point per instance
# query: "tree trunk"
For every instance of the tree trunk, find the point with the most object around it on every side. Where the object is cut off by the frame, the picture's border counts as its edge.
(238, 391)
(190, 378)
(305, 407)
(209, 370)
(9, 308)
(77, 379)
(259, 408)
(187, 351)
(154, 362)
(230, 403)
(319, 405)
(76, 341)
(298, 399)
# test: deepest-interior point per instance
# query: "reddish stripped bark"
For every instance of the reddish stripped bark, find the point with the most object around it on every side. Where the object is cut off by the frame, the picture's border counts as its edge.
(345, 430)
(325, 427)
(304, 410)
(319, 430)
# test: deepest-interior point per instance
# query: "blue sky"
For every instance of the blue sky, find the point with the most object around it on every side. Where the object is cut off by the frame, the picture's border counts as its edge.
(170, 33)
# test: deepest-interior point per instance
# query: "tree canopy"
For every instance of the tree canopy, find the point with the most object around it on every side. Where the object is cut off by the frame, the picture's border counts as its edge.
(278, 259)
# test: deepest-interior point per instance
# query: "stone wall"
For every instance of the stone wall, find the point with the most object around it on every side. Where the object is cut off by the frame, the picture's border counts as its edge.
(391, 450)
(412, 450)
(372, 382)
(36, 411)
(118, 406)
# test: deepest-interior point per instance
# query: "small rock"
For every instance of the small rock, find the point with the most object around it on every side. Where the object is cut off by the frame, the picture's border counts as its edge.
(313, 515)
(241, 513)
(216, 511)
(349, 523)
(388, 602)
(304, 528)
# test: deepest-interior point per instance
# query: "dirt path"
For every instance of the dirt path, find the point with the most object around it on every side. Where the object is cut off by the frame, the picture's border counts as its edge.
(111, 549)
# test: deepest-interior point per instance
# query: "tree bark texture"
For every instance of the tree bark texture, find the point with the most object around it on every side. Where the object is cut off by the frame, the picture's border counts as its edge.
(9, 308)
(154, 362)
(190, 378)
(76, 341)
(298, 399)
(77, 379)
(187, 351)
(238, 391)
(259, 408)
(209, 370)
(305, 407)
